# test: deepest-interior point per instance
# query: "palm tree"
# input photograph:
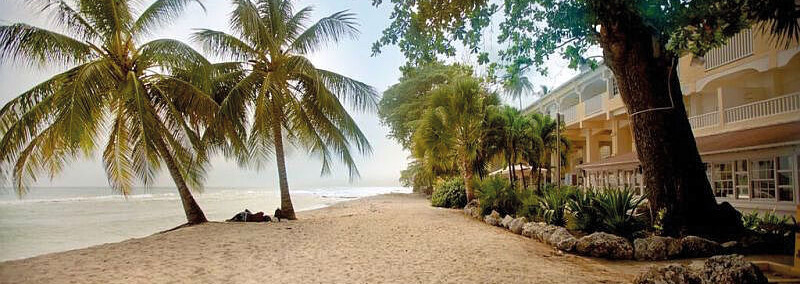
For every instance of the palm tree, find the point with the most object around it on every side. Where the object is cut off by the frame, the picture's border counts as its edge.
(545, 131)
(114, 82)
(516, 85)
(453, 127)
(289, 97)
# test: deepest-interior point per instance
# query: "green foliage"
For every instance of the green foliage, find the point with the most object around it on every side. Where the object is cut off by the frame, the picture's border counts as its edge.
(530, 206)
(617, 208)
(770, 224)
(402, 105)
(449, 193)
(417, 177)
(585, 212)
(554, 203)
(658, 224)
(496, 193)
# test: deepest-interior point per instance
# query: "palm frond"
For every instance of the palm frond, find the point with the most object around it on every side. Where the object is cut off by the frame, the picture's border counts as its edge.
(360, 95)
(110, 17)
(172, 54)
(68, 18)
(35, 46)
(331, 29)
(160, 13)
(223, 44)
(247, 23)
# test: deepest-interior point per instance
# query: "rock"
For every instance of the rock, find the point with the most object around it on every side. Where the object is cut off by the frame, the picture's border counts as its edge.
(731, 269)
(605, 245)
(506, 221)
(562, 239)
(527, 229)
(730, 246)
(516, 225)
(472, 209)
(693, 246)
(670, 274)
(544, 231)
(493, 218)
(656, 248)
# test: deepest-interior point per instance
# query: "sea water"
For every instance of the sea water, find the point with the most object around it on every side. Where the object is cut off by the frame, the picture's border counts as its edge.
(50, 220)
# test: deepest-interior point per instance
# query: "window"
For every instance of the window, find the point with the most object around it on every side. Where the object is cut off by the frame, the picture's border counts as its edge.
(722, 175)
(741, 179)
(762, 179)
(785, 178)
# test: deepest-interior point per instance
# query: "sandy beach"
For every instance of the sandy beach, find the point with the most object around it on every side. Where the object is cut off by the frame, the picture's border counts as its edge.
(394, 238)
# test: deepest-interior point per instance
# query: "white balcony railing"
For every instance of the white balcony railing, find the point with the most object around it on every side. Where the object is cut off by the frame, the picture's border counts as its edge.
(738, 46)
(767, 107)
(571, 115)
(704, 120)
(593, 105)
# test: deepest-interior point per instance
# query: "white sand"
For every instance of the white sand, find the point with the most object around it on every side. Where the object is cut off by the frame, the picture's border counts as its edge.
(390, 238)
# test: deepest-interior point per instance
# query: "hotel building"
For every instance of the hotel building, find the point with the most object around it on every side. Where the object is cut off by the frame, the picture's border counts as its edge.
(743, 102)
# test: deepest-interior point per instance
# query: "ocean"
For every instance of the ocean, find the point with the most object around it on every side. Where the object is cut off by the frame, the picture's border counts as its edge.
(50, 220)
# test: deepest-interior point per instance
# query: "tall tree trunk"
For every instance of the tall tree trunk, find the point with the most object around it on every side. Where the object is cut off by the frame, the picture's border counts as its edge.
(286, 200)
(522, 172)
(466, 170)
(194, 215)
(674, 173)
(508, 167)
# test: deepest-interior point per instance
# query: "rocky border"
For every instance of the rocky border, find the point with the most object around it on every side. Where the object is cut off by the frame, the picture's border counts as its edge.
(605, 245)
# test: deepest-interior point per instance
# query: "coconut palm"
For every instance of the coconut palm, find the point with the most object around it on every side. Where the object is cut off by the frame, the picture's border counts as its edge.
(452, 129)
(288, 96)
(113, 94)
(545, 131)
(516, 85)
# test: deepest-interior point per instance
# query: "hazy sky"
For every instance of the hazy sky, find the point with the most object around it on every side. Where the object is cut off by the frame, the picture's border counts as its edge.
(351, 58)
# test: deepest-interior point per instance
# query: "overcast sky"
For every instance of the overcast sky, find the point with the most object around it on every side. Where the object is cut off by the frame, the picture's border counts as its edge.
(351, 58)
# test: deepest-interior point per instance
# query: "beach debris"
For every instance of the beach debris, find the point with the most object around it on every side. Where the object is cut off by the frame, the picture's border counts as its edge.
(247, 216)
(605, 245)
(493, 218)
(516, 225)
(694, 246)
(721, 269)
(656, 248)
(506, 221)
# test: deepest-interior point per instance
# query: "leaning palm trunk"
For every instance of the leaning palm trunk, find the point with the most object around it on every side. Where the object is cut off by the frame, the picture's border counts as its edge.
(286, 200)
(194, 215)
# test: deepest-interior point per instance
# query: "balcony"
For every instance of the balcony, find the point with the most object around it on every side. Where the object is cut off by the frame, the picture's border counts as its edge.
(738, 47)
(783, 104)
(571, 115)
(593, 105)
(704, 120)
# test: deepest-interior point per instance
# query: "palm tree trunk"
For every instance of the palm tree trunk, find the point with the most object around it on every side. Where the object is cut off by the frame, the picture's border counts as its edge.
(194, 215)
(466, 169)
(522, 172)
(286, 200)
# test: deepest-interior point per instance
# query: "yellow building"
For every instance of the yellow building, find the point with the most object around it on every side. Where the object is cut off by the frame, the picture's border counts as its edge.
(743, 100)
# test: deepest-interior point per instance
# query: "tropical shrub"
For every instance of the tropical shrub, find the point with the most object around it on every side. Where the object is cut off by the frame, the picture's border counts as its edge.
(553, 204)
(770, 223)
(449, 193)
(617, 208)
(529, 206)
(585, 214)
(496, 193)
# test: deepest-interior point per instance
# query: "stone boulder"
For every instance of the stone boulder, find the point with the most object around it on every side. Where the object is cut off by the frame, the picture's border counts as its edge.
(731, 269)
(492, 219)
(516, 225)
(656, 248)
(604, 245)
(670, 274)
(527, 229)
(543, 232)
(693, 246)
(562, 239)
(506, 221)
(472, 209)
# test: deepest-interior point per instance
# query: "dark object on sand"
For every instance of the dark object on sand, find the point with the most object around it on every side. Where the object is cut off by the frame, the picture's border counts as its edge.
(279, 214)
(247, 216)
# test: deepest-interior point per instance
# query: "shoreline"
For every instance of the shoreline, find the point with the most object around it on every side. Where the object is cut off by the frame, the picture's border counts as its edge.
(383, 238)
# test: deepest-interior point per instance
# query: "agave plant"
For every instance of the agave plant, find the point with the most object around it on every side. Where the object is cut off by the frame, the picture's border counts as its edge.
(618, 210)
(291, 99)
(114, 80)
(554, 204)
